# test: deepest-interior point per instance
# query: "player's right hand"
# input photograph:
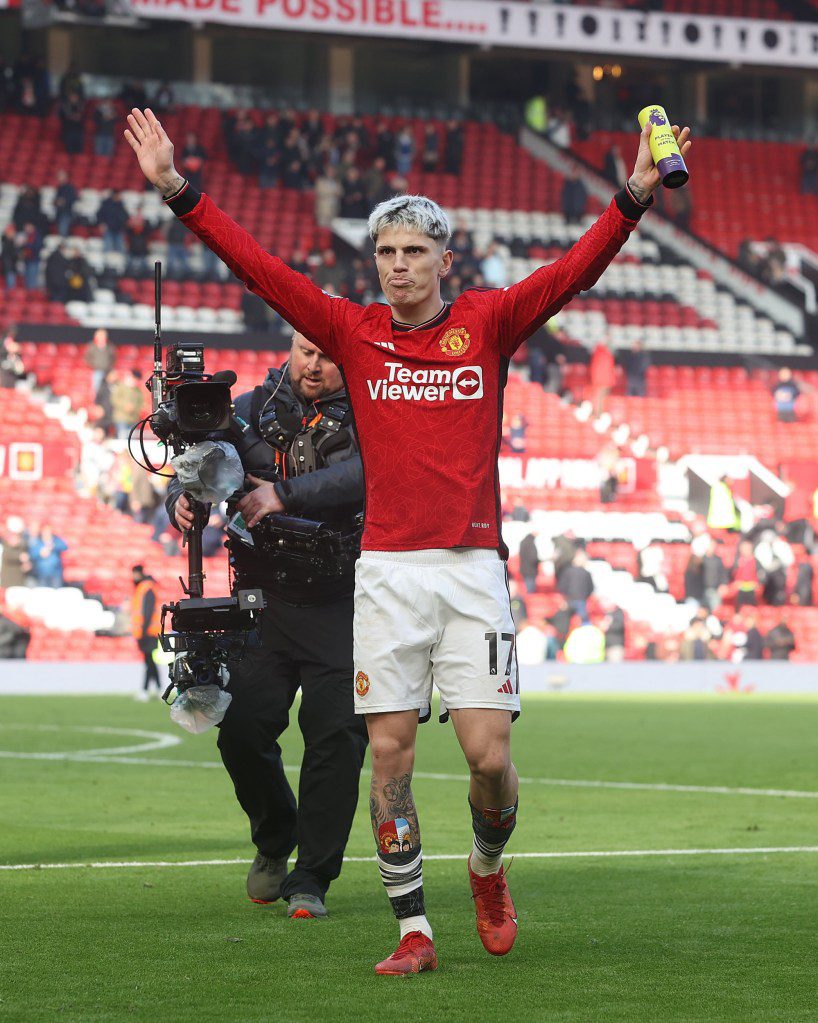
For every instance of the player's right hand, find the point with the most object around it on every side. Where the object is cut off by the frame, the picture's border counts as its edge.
(183, 514)
(153, 148)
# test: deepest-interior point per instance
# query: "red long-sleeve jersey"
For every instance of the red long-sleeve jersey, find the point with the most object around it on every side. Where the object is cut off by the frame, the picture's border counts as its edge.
(427, 402)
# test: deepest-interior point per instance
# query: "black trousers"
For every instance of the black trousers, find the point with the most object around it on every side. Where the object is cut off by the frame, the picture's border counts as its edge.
(146, 648)
(310, 648)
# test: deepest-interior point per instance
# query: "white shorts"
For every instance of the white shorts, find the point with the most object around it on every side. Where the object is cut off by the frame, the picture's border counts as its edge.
(439, 617)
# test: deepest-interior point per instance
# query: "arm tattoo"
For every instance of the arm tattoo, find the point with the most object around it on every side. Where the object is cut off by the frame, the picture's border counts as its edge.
(393, 800)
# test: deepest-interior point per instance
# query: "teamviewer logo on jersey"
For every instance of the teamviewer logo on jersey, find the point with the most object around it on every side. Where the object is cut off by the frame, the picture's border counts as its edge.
(467, 382)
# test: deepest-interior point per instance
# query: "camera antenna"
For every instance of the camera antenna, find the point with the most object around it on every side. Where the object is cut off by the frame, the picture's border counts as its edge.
(156, 379)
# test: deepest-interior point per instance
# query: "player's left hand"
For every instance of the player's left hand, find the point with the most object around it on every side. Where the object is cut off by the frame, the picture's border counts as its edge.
(646, 178)
(260, 502)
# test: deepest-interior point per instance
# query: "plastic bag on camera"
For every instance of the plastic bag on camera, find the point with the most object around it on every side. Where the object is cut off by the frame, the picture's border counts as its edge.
(199, 708)
(210, 471)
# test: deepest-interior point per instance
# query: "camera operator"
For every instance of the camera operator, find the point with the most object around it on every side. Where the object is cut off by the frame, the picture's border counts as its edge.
(301, 459)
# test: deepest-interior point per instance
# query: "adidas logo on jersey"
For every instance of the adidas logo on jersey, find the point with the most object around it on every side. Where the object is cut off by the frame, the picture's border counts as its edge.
(401, 383)
(386, 344)
(506, 687)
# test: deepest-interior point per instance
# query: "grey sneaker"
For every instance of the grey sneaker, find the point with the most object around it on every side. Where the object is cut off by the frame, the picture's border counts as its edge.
(265, 878)
(306, 907)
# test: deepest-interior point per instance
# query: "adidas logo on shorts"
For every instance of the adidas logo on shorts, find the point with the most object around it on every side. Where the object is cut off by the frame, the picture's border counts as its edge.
(506, 687)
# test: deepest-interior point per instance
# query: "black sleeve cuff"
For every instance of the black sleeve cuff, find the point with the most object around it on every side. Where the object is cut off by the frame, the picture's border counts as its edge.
(185, 200)
(629, 206)
(285, 493)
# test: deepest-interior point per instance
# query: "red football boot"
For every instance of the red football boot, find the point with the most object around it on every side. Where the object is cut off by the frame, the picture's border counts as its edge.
(496, 915)
(414, 954)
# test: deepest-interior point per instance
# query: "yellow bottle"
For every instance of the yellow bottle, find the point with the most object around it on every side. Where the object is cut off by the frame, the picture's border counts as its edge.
(663, 147)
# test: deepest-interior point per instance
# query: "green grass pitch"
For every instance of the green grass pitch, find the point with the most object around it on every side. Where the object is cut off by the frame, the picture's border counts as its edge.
(671, 937)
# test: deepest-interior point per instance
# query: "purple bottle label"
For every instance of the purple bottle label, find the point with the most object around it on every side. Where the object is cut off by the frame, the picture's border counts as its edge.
(673, 164)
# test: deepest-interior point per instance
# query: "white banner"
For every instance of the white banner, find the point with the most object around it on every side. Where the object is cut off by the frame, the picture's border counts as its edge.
(573, 29)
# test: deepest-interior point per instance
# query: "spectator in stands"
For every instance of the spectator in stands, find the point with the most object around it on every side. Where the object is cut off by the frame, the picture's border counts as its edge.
(385, 144)
(177, 235)
(15, 562)
(610, 464)
(45, 551)
(574, 198)
(269, 164)
(71, 110)
(193, 161)
(78, 277)
(560, 622)
(602, 376)
(636, 363)
(30, 244)
(65, 198)
(678, 206)
(430, 157)
(146, 609)
(96, 460)
(112, 218)
(585, 645)
(376, 182)
(29, 210)
(697, 643)
(517, 431)
(576, 584)
(56, 275)
(105, 117)
(454, 147)
(163, 99)
(722, 512)
(754, 645)
(529, 561)
(143, 498)
(493, 267)
(404, 151)
(10, 256)
(532, 644)
(133, 94)
(14, 639)
(328, 192)
(213, 535)
(614, 167)
(127, 399)
(565, 547)
(558, 130)
(613, 625)
(137, 232)
(651, 567)
(519, 608)
(774, 557)
(785, 396)
(12, 369)
(780, 641)
(809, 170)
(745, 575)
(804, 584)
(255, 312)
(100, 357)
(714, 576)
(353, 197)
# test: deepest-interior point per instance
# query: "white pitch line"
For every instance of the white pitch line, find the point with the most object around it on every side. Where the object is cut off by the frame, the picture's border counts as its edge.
(579, 783)
(592, 854)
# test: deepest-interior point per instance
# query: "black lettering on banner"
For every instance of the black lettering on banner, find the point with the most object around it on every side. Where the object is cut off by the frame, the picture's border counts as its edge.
(589, 25)
(692, 32)
(505, 14)
(665, 32)
(560, 23)
(533, 17)
(642, 26)
(742, 38)
(717, 30)
(770, 38)
(815, 42)
(491, 639)
(617, 30)
(793, 41)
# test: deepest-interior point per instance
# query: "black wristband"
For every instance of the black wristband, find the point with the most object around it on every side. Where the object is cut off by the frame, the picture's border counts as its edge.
(183, 201)
(629, 205)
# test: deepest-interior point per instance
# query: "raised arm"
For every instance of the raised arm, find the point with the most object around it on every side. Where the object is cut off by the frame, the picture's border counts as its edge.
(321, 318)
(525, 306)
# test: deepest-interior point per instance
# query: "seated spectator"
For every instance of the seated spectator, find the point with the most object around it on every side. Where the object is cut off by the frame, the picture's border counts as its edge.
(192, 165)
(65, 199)
(745, 575)
(780, 641)
(105, 120)
(576, 584)
(15, 562)
(45, 551)
(112, 218)
(78, 278)
(137, 232)
(785, 396)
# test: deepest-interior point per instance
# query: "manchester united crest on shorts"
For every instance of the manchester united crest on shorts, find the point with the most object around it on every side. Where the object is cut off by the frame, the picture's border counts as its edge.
(361, 683)
(455, 341)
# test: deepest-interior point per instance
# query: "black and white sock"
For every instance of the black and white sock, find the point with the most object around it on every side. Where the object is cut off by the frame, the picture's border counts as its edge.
(402, 876)
(492, 830)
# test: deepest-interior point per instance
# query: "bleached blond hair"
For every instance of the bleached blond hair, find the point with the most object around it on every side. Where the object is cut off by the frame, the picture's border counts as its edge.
(416, 212)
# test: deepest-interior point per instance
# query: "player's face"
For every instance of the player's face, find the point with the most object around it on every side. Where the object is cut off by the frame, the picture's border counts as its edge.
(410, 266)
(312, 373)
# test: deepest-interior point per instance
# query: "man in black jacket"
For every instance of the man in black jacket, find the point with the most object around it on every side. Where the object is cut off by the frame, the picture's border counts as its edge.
(302, 460)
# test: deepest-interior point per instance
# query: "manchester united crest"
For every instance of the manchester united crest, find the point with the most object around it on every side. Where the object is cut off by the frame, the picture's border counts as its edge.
(361, 683)
(455, 341)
